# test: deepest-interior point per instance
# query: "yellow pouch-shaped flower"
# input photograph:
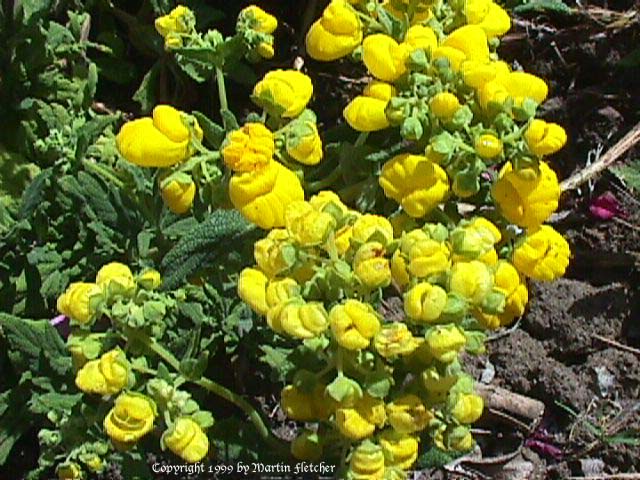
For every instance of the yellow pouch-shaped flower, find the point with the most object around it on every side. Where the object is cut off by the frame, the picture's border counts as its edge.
(180, 20)
(186, 439)
(360, 421)
(400, 450)
(384, 57)
(305, 406)
(445, 342)
(336, 34)
(80, 301)
(408, 414)
(149, 279)
(515, 85)
(116, 278)
(283, 92)
(366, 112)
(471, 280)
(307, 227)
(395, 340)
(489, 16)
(263, 195)
(158, 141)
(303, 142)
(304, 320)
(370, 227)
(307, 446)
(131, 418)
(178, 196)
(106, 376)
(367, 462)
(444, 105)
(420, 37)
(274, 253)
(252, 286)
(249, 148)
(415, 182)
(512, 285)
(468, 408)
(544, 138)
(488, 146)
(259, 20)
(69, 471)
(470, 40)
(526, 200)
(542, 255)
(425, 302)
(371, 267)
(354, 324)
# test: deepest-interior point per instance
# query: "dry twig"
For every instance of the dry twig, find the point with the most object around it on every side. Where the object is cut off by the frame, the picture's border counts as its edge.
(618, 345)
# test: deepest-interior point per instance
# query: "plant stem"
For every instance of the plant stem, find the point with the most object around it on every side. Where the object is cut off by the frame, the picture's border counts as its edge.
(325, 182)
(361, 140)
(103, 172)
(222, 90)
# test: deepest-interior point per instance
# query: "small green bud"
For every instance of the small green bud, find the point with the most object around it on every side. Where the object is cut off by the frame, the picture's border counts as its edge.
(411, 129)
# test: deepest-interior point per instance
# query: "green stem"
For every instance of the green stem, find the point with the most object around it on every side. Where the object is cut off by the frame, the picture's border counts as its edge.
(103, 172)
(362, 139)
(327, 181)
(222, 90)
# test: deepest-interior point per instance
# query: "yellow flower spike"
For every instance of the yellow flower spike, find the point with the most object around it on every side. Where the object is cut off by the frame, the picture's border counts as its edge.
(105, 376)
(252, 286)
(186, 439)
(371, 267)
(79, 301)
(526, 201)
(261, 21)
(131, 418)
(307, 446)
(180, 20)
(471, 40)
(544, 138)
(444, 105)
(160, 141)
(249, 148)
(179, 196)
(283, 92)
(425, 302)
(488, 146)
(542, 255)
(354, 324)
(395, 340)
(400, 450)
(336, 34)
(306, 226)
(303, 143)
(445, 342)
(274, 253)
(471, 280)
(418, 184)
(384, 57)
(468, 408)
(421, 37)
(262, 196)
(407, 414)
(370, 227)
(304, 320)
(367, 462)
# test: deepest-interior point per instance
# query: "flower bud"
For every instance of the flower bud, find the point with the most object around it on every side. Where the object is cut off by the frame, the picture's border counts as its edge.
(69, 471)
(433, 381)
(471, 280)
(257, 19)
(445, 342)
(488, 146)
(371, 267)
(444, 105)
(425, 302)
(80, 302)
(367, 461)
(149, 279)
(372, 228)
(544, 138)
(367, 112)
(186, 439)
(178, 196)
(468, 408)
(274, 254)
(306, 226)
(252, 285)
(303, 142)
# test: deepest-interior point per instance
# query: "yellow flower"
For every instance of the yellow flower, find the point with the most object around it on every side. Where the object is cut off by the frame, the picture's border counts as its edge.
(304, 320)
(149, 279)
(418, 184)
(305, 406)
(178, 196)
(471, 280)
(370, 227)
(434, 382)
(307, 446)
(476, 73)
(252, 286)
(420, 37)
(274, 254)
(106, 376)
(474, 240)
(367, 462)
(444, 105)
(544, 138)
(265, 50)
(543, 254)
(281, 290)
(429, 257)
(360, 420)
(371, 267)
(526, 200)
(517, 86)
(400, 450)
(263, 195)
(283, 92)
(488, 146)
(116, 279)
(249, 148)
(131, 418)
(307, 227)
(421, 13)
(336, 34)
(80, 301)
(366, 112)
(259, 20)
(159, 141)
(491, 17)
(408, 414)
(343, 239)
(468, 42)
(457, 439)
(384, 57)
(394, 340)
(303, 142)
(444, 342)
(93, 462)
(354, 324)
(186, 439)
(468, 408)
(424, 302)
(328, 201)
(508, 282)
(180, 20)
(69, 471)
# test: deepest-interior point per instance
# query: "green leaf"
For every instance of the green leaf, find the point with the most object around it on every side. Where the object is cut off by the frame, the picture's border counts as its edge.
(278, 359)
(35, 7)
(629, 174)
(35, 344)
(213, 133)
(377, 384)
(54, 401)
(14, 419)
(544, 6)
(229, 120)
(193, 368)
(344, 388)
(146, 93)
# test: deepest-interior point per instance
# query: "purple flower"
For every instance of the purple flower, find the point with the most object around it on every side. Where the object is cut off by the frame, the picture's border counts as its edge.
(606, 206)
(541, 442)
(61, 322)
